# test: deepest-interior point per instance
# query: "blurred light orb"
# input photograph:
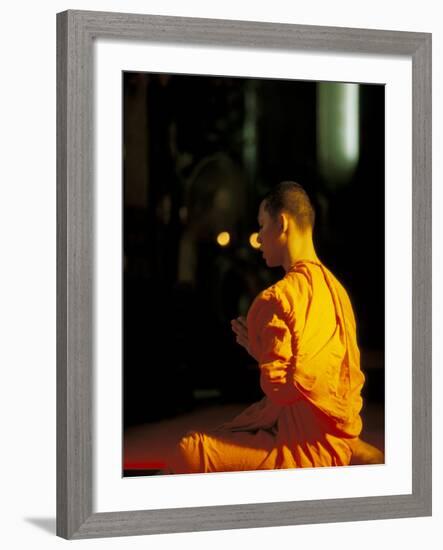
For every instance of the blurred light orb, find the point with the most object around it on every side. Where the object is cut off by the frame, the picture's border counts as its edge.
(253, 240)
(223, 238)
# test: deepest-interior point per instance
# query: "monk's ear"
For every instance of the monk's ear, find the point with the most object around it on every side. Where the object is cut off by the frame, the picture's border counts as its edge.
(283, 222)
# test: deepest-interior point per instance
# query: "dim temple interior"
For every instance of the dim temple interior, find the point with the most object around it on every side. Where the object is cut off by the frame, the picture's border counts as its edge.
(199, 153)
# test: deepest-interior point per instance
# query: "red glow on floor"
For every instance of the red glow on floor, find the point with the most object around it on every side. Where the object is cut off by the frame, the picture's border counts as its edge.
(147, 465)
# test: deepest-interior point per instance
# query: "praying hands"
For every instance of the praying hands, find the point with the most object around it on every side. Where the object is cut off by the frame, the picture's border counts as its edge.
(240, 329)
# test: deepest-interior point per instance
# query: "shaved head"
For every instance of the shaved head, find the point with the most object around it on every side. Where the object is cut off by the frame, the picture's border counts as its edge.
(291, 197)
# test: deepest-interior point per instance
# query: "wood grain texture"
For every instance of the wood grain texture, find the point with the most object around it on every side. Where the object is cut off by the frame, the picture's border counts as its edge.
(422, 271)
(74, 280)
(246, 33)
(76, 31)
(62, 373)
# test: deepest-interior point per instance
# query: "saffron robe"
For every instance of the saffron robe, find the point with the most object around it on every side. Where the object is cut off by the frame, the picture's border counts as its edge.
(302, 331)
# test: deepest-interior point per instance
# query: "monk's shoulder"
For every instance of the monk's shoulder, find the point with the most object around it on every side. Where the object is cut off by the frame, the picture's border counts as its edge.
(286, 295)
(268, 302)
(296, 289)
(267, 297)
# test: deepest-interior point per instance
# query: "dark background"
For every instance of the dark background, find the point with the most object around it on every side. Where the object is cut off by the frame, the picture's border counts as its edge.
(199, 153)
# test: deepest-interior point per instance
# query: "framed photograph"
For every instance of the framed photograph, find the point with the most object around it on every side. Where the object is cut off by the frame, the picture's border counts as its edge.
(185, 147)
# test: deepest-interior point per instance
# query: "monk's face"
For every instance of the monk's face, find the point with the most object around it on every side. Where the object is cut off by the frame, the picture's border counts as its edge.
(269, 237)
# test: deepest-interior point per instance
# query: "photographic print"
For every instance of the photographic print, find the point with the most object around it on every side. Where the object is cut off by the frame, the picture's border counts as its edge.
(253, 274)
(251, 321)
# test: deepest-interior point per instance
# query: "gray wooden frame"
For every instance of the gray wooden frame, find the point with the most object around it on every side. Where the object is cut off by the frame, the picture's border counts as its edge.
(76, 31)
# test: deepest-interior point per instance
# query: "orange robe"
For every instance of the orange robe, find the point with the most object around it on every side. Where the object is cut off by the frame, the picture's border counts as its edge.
(302, 332)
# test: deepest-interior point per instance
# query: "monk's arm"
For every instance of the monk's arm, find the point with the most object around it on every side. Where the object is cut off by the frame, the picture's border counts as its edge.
(272, 344)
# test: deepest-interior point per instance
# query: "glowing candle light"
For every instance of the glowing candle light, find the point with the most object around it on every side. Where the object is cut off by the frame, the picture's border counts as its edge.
(253, 240)
(223, 238)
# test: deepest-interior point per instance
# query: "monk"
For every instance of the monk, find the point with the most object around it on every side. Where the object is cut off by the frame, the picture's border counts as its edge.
(302, 333)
